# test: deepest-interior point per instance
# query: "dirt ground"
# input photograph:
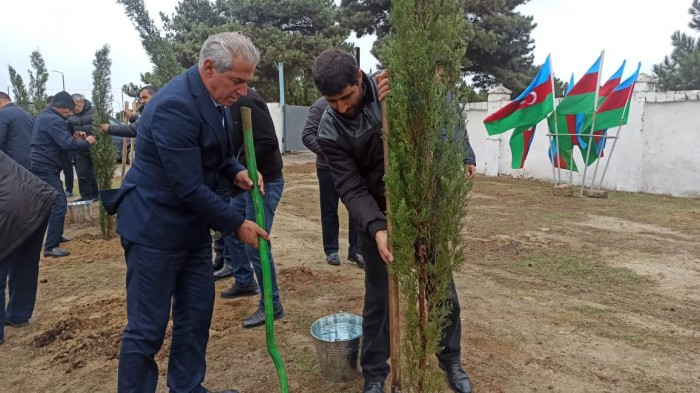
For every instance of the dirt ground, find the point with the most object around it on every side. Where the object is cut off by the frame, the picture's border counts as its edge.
(557, 295)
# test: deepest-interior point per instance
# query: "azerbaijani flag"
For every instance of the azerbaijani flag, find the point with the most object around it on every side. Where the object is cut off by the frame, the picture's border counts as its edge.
(614, 111)
(561, 146)
(531, 106)
(611, 83)
(598, 141)
(581, 98)
(561, 158)
(520, 143)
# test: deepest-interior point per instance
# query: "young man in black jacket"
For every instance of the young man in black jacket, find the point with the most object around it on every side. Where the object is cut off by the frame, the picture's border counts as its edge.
(327, 193)
(350, 136)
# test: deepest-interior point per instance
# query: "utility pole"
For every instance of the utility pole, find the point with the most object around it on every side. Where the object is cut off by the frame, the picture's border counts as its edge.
(63, 79)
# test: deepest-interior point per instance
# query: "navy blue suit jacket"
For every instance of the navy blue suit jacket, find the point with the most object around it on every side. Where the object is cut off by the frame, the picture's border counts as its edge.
(183, 154)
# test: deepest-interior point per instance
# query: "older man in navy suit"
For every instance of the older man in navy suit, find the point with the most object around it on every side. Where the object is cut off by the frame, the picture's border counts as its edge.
(166, 208)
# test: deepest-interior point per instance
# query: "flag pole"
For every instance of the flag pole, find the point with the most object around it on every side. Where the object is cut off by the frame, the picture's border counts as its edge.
(556, 127)
(595, 102)
(617, 135)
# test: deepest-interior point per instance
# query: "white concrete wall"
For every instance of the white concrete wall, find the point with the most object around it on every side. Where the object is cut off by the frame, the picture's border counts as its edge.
(276, 114)
(658, 151)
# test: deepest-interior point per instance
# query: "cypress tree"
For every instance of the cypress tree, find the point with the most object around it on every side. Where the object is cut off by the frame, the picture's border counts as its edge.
(103, 154)
(425, 181)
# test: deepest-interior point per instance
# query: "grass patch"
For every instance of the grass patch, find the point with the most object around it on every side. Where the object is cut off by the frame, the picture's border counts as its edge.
(576, 269)
(594, 312)
(304, 359)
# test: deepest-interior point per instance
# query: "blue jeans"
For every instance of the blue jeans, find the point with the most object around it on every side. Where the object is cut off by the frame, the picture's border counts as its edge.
(156, 281)
(58, 211)
(21, 270)
(329, 215)
(273, 194)
(235, 254)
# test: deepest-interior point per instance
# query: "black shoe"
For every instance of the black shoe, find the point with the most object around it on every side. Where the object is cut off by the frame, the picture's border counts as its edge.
(16, 325)
(64, 239)
(226, 271)
(333, 259)
(221, 391)
(374, 387)
(69, 194)
(258, 317)
(56, 252)
(457, 379)
(241, 290)
(358, 259)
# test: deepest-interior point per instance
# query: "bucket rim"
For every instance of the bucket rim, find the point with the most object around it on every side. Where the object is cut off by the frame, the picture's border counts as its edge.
(341, 313)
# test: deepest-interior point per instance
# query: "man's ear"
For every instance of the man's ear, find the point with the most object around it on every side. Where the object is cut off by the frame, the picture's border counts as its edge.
(208, 67)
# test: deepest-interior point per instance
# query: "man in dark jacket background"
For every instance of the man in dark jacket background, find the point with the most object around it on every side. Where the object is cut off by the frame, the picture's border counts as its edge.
(350, 137)
(81, 122)
(269, 163)
(50, 137)
(15, 131)
(328, 196)
(25, 204)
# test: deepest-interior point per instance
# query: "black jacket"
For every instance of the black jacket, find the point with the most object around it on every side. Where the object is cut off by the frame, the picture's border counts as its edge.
(50, 137)
(83, 121)
(16, 133)
(25, 201)
(355, 155)
(309, 137)
(267, 150)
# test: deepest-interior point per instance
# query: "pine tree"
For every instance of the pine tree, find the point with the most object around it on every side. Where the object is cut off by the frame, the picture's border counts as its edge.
(681, 70)
(102, 152)
(19, 90)
(425, 181)
(37, 82)
(500, 47)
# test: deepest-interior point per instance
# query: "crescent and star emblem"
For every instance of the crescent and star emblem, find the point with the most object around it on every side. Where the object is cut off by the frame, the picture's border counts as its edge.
(528, 101)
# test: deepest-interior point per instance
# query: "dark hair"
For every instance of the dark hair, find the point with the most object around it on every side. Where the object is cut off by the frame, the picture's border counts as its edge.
(4, 96)
(48, 99)
(334, 69)
(151, 89)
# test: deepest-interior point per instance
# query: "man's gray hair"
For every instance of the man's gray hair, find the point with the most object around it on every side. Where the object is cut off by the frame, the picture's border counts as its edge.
(223, 47)
(78, 97)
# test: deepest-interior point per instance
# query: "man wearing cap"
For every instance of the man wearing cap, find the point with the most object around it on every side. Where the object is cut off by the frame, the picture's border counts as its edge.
(49, 139)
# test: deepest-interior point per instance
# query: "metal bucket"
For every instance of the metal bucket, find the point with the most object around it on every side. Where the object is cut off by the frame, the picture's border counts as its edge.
(337, 339)
(79, 212)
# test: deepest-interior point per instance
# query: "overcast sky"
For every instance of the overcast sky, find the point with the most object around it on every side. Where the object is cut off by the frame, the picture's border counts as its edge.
(68, 33)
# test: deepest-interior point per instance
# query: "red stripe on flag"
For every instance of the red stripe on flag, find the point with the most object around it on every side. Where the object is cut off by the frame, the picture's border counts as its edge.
(616, 100)
(536, 96)
(587, 84)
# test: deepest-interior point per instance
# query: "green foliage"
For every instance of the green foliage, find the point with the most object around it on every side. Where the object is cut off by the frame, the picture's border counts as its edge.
(500, 47)
(37, 82)
(159, 49)
(287, 31)
(19, 90)
(425, 180)
(102, 152)
(33, 98)
(681, 70)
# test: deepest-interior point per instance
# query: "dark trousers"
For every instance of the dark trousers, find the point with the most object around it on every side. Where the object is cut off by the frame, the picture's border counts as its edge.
(375, 323)
(87, 181)
(329, 215)
(57, 218)
(21, 270)
(157, 280)
(67, 169)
